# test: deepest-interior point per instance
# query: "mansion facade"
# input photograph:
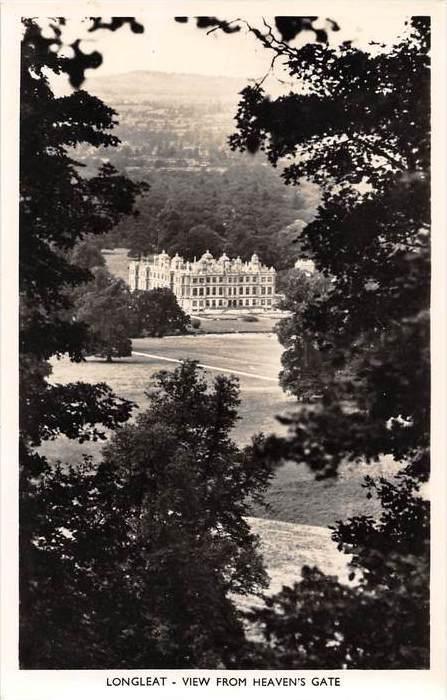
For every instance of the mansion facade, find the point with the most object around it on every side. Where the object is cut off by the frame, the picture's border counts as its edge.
(208, 284)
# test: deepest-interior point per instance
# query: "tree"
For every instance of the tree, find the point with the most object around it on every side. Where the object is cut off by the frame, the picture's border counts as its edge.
(306, 371)
(158, 528)
(87, 254)
(236, 216)
(105, 307)
(196, 241)
(58, 208)
(158, 313)
(360, 128)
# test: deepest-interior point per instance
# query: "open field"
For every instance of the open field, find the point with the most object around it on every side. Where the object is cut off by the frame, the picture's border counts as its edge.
(250, 354)
(287, 547)
(294, 496)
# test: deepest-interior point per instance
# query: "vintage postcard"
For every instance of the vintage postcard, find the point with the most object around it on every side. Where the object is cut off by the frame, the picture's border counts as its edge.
(223, 349)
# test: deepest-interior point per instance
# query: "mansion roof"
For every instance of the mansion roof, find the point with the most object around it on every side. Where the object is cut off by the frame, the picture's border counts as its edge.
(207, 263)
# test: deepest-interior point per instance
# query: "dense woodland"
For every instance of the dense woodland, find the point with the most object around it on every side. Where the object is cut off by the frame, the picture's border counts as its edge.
(247, 208)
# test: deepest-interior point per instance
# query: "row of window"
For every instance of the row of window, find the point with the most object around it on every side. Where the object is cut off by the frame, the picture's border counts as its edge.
(232, 291)
(207, 280)
(231, 279)
(213, 303)
(158, 275)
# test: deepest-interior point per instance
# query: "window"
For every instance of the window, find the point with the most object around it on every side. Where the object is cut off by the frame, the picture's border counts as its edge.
(220, 291)
(262, 290)
(194, 303)
(241, 301)
(201, 280)
(230, 291)
(213, 279)
(254, 290)
(208, 280)
(194, 280)
(269, 290)
(220, 302)
(220, 279)
(207, 302)
(207, 291)
(241, 279)
(247, 290)
(213, 302)
(241, 290)
(247, 301)
(194, 291)
(213, 291)
(201, 292)
(262, 279)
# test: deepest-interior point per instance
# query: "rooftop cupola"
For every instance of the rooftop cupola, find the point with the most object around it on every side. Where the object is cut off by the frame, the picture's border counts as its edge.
(176, 262)
(164, 257)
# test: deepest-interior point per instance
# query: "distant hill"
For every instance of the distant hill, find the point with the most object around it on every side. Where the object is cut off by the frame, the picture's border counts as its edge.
(155, 86)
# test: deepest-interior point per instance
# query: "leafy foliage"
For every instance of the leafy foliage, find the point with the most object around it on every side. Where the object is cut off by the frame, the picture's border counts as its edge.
(245, 209)
(104, 305)
(87, 254)
(198, 239)
(157, 313)
(50, 49)
(287, 27)
(370, 244)
(58, 208)
(158, 528)
(213, 22)
(304, 372)
(359, 127)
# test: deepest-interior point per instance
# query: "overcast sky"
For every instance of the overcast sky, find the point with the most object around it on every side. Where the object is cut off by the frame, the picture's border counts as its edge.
(182, 48)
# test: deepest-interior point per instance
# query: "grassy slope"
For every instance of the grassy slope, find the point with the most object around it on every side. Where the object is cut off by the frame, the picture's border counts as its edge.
(293, 495)
(287, 547)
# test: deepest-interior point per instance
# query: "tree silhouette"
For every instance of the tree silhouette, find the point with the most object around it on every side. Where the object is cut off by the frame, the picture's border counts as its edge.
(361, 131)
(58, 208)
(157, 528)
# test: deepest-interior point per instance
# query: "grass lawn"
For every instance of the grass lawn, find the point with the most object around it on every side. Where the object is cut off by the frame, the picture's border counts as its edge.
(294, 496)
(287, 547)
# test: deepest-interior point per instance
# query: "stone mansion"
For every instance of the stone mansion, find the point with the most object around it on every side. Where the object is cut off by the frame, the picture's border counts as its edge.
(208, 284)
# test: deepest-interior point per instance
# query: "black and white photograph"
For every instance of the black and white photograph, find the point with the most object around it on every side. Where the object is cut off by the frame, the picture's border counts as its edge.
(224, 272)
